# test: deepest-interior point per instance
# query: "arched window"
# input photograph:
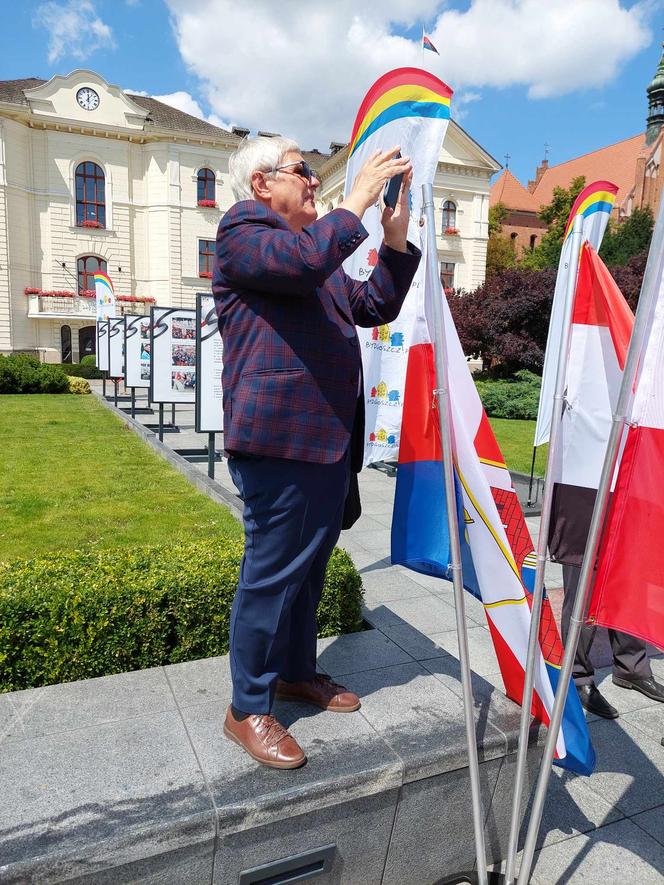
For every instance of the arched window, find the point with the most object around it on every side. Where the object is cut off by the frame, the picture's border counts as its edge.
(447, 275)
(449, 215)
(65, 344)
(533, 241)
(206, 186)
(513, 237)
(90, 195)
(87, 266)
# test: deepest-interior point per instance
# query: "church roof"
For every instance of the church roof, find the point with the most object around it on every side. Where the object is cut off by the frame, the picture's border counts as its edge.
(616, 163)
(508, 190)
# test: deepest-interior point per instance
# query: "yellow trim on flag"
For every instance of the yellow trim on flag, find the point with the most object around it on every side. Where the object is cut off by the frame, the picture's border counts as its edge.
(493, 463)
(507, 553)
(505, 602)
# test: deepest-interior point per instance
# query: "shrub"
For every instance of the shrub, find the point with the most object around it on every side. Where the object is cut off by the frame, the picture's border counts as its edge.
(88, 360)
(516, 397)
(78, 385)
(23, 373)
(87, 613)
(81, 370)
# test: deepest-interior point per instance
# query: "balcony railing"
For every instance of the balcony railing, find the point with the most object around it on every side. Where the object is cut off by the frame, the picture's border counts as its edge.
(49, 307)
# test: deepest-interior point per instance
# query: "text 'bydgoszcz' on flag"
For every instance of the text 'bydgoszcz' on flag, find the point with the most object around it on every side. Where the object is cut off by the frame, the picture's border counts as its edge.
(411, 108)
(497, 552)
(628, 593)
(594, 203)
(601, 328)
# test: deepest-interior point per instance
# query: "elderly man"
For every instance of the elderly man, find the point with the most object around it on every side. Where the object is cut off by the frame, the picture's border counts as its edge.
(293, 411)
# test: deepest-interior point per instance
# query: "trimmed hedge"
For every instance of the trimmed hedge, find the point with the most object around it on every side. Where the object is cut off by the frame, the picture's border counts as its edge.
(516, 397)
(23, 373)
(81, 370)
(85, 613)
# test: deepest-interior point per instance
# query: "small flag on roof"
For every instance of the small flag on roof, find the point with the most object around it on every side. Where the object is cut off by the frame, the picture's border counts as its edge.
(427, 44)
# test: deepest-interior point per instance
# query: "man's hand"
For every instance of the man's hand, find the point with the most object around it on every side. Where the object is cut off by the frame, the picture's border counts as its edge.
(395, 221)
(370, 181)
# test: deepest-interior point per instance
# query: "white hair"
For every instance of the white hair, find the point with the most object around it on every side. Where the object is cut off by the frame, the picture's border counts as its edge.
(262, 153)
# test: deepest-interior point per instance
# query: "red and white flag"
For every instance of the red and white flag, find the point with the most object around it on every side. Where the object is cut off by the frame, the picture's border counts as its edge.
(628, 594)
(601, 328)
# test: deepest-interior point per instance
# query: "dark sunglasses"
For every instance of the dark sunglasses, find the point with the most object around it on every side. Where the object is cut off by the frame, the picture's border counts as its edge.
(305, 171)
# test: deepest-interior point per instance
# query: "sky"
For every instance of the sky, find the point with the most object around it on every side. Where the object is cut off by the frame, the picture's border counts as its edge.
(565, 76)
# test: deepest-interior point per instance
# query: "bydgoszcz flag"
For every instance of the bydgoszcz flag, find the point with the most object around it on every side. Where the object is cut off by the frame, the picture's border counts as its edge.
(497, 553)
(105, 296)
(601, 328)
(428, 44)
(410, 108)
(628, 593)
(595, 203)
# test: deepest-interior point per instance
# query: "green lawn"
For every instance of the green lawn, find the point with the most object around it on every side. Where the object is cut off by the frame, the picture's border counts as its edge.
(515, 439)
(73, 475)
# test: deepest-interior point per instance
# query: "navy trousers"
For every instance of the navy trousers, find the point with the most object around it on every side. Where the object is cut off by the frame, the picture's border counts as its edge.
(292, 520)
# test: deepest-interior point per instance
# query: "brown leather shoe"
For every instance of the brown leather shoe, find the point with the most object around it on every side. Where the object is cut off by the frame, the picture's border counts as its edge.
(321, 692)
(265, 739)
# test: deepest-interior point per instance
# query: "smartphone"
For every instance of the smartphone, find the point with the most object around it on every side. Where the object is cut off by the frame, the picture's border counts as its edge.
(392, 187)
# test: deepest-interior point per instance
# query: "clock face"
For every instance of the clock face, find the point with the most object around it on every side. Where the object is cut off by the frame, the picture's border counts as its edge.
(87, 98)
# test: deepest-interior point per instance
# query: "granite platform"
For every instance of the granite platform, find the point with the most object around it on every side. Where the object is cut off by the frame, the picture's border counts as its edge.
(129, 778)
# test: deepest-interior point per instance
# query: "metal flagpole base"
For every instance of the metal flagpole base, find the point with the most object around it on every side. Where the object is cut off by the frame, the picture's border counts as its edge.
(472, 878)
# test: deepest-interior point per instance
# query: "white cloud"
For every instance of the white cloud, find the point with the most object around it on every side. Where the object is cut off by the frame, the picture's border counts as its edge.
(301, 69)
(74, 29)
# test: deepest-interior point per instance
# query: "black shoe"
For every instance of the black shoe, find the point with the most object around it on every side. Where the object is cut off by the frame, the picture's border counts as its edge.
(648, 686)
(594, 701)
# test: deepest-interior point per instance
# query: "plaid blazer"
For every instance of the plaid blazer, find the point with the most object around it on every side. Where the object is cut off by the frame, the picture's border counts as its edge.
(287, 316)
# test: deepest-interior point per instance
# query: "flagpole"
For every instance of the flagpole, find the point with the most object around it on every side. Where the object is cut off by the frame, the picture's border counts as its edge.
(649, 292)
(422, 49)
(443, 397)
(542, 543)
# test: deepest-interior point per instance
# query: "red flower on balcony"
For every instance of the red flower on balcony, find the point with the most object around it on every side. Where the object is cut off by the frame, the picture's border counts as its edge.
(205, 274)
(89, 222)
(451, 231)
(208, 204)
(57, 293)
(29, 290)
(86, 293)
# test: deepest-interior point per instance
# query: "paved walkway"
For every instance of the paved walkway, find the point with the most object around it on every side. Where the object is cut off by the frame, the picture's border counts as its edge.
(606, 829)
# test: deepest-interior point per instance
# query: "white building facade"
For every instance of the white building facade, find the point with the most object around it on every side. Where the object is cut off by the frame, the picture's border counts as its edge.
(95, 178)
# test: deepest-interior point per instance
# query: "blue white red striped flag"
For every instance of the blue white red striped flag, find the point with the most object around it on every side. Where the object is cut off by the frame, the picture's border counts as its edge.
(497, 552)
(427, 44)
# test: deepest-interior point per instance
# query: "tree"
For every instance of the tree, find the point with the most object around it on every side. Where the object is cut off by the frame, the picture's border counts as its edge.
(500, 251)
(505, 320)
(627, 238)
(555, 214)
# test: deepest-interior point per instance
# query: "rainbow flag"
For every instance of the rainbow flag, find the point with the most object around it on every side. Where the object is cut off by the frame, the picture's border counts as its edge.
(408, 107)
(497, 553)
(427, 44)
(594, 203)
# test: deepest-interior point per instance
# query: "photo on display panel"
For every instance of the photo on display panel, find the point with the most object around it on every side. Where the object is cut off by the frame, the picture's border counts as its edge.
(183, 354)
(184, 328)
(183, 379)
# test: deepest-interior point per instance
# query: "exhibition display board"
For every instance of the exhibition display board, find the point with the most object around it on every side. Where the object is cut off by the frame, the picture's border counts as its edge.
(101, 355)
(137, 351)
(209, 354)
(116, 347)
(173, 354)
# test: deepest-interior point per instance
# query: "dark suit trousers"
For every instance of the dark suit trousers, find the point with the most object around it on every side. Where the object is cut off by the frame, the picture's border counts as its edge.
(630, 660)
(292, 520)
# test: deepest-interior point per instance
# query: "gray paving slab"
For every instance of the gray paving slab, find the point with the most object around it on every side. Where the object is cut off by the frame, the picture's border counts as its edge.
(68, 706)
(388, 584)
(134, 784)
(630, 766)
(652, 822)
(420, 719)
(428, 614)
(612, 855)
(355, 652)
(480, 646)
(342, 749)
